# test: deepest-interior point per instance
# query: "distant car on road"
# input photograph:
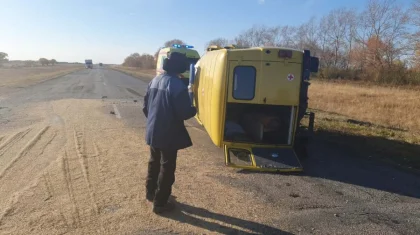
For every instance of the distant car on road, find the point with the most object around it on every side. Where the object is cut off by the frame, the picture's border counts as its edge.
(100, 64)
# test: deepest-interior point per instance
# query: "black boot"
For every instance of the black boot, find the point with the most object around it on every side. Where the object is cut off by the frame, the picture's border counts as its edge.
(150, 197)
(169, 206)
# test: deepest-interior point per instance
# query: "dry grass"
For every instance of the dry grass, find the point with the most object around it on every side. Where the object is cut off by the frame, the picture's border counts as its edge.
(393, 107)
(143, 74)
(12, 77)
(373, 119)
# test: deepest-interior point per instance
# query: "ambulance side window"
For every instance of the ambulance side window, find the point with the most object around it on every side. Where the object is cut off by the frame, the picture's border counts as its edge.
(244, 82)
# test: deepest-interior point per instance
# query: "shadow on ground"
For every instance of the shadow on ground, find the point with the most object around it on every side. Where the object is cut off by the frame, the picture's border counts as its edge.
(399, 152)
(225, 224)
(363, 161)
(358, 160)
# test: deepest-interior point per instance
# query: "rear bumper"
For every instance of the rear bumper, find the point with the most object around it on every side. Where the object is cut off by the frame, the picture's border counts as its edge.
(269, 159)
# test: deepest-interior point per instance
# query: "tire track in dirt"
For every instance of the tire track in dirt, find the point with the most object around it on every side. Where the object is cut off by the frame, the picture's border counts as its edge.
(98, 171)
(13, 190)
(80, 144)
(48, 143)
(48, 186)
(98, 162)
(82, 173)
(13, 139)
(13, 200)
(68, 181)
(51, 194)
(25, 150)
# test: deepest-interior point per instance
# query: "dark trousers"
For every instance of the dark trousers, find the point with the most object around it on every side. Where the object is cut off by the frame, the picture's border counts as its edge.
(161, 174)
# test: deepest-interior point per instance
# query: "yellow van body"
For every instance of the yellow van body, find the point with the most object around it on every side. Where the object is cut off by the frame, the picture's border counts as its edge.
(192, 55)
(230, 84)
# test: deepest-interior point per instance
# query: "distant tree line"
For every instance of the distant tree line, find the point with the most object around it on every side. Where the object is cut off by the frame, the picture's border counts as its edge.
(144, 61)
(45, 61)
(376, 44)
(3, 58)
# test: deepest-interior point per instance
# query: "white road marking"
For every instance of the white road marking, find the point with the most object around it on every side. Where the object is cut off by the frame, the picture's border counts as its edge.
(117, 113)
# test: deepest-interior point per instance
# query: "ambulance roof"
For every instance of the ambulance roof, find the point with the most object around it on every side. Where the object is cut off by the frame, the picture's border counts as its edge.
(262, 54)
(189, 52)
(264, 48)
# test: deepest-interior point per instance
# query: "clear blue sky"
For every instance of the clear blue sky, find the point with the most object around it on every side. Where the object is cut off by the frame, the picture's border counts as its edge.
(107, 31)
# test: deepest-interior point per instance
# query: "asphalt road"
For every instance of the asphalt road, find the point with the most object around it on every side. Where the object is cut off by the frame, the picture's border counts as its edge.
(339, 193)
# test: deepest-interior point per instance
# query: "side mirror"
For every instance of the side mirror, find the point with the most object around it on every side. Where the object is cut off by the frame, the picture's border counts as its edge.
(191, 85)
(192, 73)
(314, 64)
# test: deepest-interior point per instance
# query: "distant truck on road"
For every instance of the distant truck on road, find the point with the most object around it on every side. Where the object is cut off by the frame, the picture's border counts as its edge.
(88, 64)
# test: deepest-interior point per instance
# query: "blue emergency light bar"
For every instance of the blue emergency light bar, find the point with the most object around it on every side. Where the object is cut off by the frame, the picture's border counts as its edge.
(182, 46)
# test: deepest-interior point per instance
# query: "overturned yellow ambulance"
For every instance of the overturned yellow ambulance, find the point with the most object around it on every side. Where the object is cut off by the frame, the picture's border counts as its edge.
(251, 102)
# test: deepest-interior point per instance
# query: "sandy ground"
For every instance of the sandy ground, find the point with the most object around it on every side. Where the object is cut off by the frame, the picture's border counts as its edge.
(67, 166)
(71, 173)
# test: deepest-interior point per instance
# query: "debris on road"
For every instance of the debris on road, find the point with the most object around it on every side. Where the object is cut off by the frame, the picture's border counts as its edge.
(295, 195)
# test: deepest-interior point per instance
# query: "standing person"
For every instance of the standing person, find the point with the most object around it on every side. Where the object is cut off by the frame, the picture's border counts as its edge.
(166, 106)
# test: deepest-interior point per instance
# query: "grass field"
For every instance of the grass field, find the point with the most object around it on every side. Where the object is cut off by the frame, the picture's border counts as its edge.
(143, 74)
(24, 76)
(381, 122)
(387, 106)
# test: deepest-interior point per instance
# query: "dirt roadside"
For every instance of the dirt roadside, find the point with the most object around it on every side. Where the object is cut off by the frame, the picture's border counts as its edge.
(82, 177)
(27, 76)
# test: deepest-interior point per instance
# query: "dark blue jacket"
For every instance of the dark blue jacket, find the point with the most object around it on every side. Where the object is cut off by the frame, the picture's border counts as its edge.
(166, 106)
